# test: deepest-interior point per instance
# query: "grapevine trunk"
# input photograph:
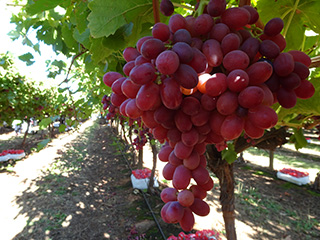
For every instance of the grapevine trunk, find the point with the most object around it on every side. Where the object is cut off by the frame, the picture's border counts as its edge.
(224, 172)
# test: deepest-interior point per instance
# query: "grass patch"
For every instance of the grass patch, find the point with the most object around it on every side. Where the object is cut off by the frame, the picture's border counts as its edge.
(263, 173)
(246, 167)
(261, 208)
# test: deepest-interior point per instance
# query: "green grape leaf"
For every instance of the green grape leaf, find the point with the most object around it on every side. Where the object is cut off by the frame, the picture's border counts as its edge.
(298, 138)
(309, 11)
(62, 128)
(36, 48)
(81, 17)
(229, 154)
(27, 41)
(68, 37)
(99, 52)
(107, 16)
(117, 41)
(42, 5)
(44, 123)
(83, 38)
(14, 34)
(269, 10)
(46, 33)
(43, 144)
(27, 57)
(295, 35)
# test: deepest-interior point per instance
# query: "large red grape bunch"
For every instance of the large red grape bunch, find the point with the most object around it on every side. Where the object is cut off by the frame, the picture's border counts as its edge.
(206, 80)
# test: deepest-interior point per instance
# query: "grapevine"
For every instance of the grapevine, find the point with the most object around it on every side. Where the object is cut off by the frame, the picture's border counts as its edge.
(206, 80)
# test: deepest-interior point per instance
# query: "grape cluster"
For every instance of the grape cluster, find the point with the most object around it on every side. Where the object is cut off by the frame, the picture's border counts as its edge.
(142, 137)
(206, 80)
(107, 105)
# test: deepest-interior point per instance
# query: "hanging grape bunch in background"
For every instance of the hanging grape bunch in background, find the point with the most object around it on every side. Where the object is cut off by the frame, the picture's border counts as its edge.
(206, 80)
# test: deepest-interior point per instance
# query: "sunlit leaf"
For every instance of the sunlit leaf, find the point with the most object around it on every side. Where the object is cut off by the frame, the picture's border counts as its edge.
(27, 57)
(106, 16)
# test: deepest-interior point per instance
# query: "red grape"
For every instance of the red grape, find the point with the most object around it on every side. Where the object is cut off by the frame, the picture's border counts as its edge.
(161, 31)
(174, 212)
(168, 171)
(184, 51)
(305, 90)
(182, 121)
(174, 160)
(236, 17)
(148, 119)
(116, 85)
(200, 175)
(167, 62)
(203, 24)
(166, 7)
(182, 151)
(227, 103)
(212, 50)
(232, 127)
(229, 43)
(286, 98)
(185, 198)
(187, 220)
(190, 105)
(273, 27)
(263, 117)
(170, 93)
(181, 177)
(130, 54)
(301, 57)
(236, 59)
(110, 77)
(251, 47)
(237, 80)
(164, 153)
(269, 49)
(198, 191)
(254, 15)
(186, 76)
(151, 48)
(284, 64)
(142, 74)
(190, 138)
(193, 161)
(148, 96)
(199, 61)
(216, 7)
(259, 72)
(182, 35)
(208, 103)
(251, 97)
(132, 110)
(129, 88)
(177, 22)
(169, 194)
(219, 31)
(200, 207)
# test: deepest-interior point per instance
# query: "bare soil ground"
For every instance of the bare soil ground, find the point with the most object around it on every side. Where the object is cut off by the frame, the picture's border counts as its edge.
(79, 188)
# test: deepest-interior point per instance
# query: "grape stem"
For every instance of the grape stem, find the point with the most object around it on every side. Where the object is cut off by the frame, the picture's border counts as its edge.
(201, 7)
(290, 18)
(156, 11)
(244, 2)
